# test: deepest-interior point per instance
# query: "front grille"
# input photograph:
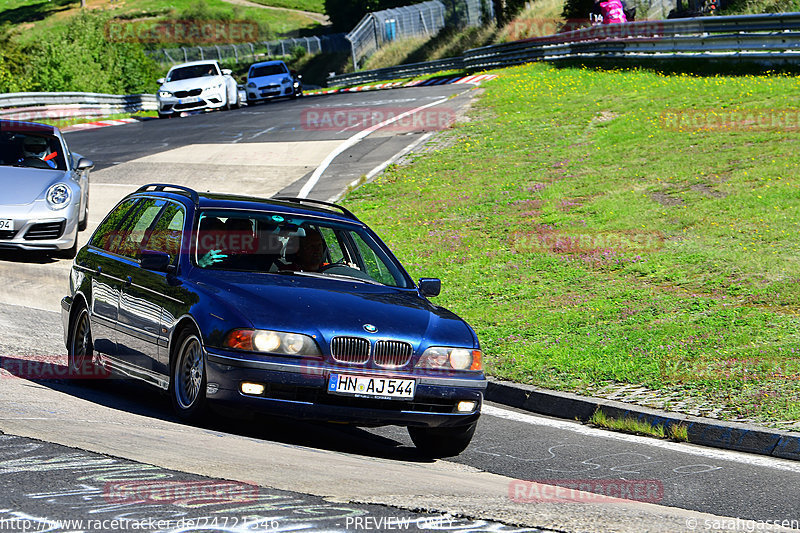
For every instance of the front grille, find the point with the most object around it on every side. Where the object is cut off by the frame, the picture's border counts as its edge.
(353, 350)
(45, 231)
(270, 88)
(201, 103)
(7, 235)
(393, 354)
(184, 94)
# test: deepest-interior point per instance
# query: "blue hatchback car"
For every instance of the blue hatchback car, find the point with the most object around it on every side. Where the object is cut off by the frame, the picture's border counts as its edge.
(288, 306)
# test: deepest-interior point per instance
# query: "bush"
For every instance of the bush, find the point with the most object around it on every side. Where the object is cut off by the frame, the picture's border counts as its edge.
(12, 66)
(79, 58)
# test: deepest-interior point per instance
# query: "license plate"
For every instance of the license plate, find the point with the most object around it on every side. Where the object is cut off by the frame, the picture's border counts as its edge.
(366, 386)
(6, 224)
(192, 100)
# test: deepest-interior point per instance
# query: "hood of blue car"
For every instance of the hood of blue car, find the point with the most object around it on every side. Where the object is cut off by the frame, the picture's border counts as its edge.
(331, 307)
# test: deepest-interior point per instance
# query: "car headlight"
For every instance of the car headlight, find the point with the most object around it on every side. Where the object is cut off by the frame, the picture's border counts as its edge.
(445, 358)
(267, 341)
(286, 80)
(164, 94)
(252, 85)
(58, 196)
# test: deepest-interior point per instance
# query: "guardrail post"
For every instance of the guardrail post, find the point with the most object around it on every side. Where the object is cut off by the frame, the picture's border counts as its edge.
(201, 53)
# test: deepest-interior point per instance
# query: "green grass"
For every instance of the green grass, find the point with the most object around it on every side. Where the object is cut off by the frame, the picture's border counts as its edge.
(686, 281)
(34, 19)
(64, 122)
(316, 6)
(638, 427)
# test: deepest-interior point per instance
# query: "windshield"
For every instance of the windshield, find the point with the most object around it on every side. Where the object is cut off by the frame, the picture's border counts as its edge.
(194, 71)
(267, 70)
(267, 242)
(33, 150)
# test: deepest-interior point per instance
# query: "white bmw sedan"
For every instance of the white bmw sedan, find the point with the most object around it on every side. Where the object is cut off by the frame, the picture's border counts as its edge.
(196, 86)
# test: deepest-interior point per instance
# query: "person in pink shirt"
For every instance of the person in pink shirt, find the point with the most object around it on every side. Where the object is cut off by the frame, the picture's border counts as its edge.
(612, 11)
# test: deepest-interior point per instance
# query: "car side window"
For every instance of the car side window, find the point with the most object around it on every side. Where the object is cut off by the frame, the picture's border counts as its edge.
(375, 266)
(332, 243)
(135, 230)
(107, 234)
(168, 232)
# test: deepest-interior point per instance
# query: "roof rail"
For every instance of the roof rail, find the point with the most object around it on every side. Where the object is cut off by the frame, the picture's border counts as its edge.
(161, 186)
(344, 210)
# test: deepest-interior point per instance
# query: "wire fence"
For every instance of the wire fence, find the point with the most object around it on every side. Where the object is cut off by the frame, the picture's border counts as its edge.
(380, 28)
(250, 52)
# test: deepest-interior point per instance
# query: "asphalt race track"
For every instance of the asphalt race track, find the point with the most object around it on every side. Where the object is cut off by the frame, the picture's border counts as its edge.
(113, 450)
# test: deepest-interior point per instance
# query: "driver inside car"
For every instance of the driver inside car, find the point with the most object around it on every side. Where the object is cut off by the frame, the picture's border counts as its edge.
(310, 255)
(35, 150)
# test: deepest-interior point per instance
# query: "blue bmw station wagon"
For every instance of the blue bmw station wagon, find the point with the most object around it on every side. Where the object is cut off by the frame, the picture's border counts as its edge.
(285, 305)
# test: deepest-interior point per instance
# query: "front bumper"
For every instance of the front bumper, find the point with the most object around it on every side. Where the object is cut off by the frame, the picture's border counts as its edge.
(168, 105)
(37, 227)
(269, 92)
(298, 389)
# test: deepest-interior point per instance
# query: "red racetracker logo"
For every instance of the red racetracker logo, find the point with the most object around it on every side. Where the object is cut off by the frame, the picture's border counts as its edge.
(183, 493)
(586, 490)
(183, 31)
(394, 119)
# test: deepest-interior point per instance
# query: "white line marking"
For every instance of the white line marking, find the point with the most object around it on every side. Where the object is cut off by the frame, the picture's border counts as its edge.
(312, 181)
(722, 455)
(262, 132)
(383, 165)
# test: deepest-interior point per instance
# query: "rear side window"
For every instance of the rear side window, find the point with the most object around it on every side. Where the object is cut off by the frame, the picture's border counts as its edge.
(106, 236)
(167, 233)
(135, 231)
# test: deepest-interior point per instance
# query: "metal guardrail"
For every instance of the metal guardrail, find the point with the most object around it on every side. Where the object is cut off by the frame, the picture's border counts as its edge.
(36, 106)
(402, 71)
(134, 101)
(761, 38)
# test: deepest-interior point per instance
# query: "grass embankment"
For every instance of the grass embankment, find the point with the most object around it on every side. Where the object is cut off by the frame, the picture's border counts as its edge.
(33, 20)
(592, 240)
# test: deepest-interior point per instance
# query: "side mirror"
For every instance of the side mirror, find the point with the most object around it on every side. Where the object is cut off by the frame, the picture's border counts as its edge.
(84, 164)
(430, 286)
(227, 72)
(161, 81)
(155, 261)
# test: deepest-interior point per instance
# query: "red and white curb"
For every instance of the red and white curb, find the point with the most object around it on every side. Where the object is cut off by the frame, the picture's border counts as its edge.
(100, 124)
(444, 80)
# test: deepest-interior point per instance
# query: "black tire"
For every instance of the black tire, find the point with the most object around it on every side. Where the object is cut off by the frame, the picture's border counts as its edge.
(442, 442)
(80, 349)
(187, 386)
